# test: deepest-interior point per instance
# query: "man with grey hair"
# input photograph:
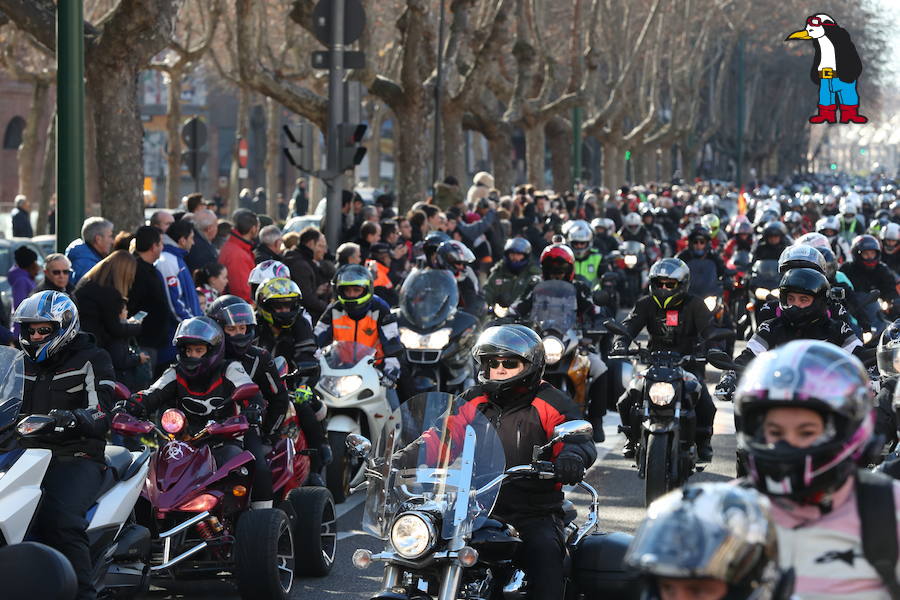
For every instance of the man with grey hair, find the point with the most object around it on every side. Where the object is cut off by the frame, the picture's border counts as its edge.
(21, 218)
(95, 244)
(270, 244)
(206, 225)
(57, 275)
(162, 219)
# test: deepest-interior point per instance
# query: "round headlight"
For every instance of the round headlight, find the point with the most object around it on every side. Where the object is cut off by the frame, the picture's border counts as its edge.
(412, 535)
(553, 350)
(884, 305)
(867, 337)
(661, 393)
(501, 311)
(762, 293)
(630, 260)
(710, 302)
(347, 384)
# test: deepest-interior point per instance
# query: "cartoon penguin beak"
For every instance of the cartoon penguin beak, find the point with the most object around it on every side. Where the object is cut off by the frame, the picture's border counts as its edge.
(799, 35)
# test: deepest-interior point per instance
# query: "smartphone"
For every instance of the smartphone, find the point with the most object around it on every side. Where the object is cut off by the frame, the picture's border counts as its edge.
(139, 316)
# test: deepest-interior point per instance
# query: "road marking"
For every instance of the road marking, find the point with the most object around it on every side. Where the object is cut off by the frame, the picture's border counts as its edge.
(350, 503)
(343, 535)
(724, 422)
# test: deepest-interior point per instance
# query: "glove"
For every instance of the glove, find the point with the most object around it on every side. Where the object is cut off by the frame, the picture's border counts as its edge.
(569, 469)
(389, 377)
(133, 407)
(325, 454)
(253, 414)
(303, 394)
(65, 419)
(619, 348)
(726, 385)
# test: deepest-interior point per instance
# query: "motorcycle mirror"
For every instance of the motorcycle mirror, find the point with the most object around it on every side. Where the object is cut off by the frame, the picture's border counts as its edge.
(720, 334)
(600, 297)
(721, 360)
(572, 430)
(281, 366)
(245, 393)
(616, 327)
(358, 445)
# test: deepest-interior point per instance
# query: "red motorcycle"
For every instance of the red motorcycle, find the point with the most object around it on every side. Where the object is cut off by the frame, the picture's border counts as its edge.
(196, 504)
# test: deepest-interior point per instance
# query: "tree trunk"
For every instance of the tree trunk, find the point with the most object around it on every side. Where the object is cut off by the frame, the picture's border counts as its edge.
(411, 154)
(559, 140)
(535, 154)
(665, 164)
(454, 142)
(91, 168)
(48, 177)
(501, 149)
(242, 128)
(173, 139)
(613, 167)
(373, 154)
(30, 148)
(273, 155)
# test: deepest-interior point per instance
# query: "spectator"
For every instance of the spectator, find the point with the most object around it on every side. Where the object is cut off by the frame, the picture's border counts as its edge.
(303, 261)
(182, 296)
(270, 246)
(162, 220)
(348, 254)
(419, 226)
(205, 229)
(237, 252)
(211, 281)
(290, 240)
(95, 244)
(369, 234)
(21, 218)
(282, 207)
(148, 294)
(21, 276)
(57, 270)
(245, 199)
(223, 232)
(385, 281)
(299, 205)
(194, 202)
(122, 241)
(260, 201)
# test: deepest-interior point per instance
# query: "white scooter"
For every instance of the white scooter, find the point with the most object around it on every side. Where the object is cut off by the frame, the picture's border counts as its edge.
(123, 547)
(357, 401)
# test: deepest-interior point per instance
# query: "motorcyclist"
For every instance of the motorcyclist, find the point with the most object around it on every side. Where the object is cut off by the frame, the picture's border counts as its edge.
(70, 379)
(773, 240)
(805, 421)
(455, 257)
(266, 270)
(387, 282)
(604, 240)
(829, 227)
(648, 219)
(202, 384)
(588, 261)
(742, 240)
(890, 244)
(510, 277)
(852, 223)
(888, 360)
(717, 237)
(676, 321)
(525, 410)
(238, 321)
(733, 540)
(794, 223)
(284, 332)
(867, 272)
(707, 269)
(633, 230)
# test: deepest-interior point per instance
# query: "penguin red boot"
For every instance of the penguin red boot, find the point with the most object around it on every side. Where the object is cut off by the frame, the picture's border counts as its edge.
(849, 114)
(827, 114)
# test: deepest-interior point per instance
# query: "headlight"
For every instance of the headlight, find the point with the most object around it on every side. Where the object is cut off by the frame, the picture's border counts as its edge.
(884, 305)
(429, 341)
(412, 535)
(762, 293)
(867, 337)
(710, 302)
(553, 350)
(661, 393)
(501, 311)
(630, 260)
(341, 386)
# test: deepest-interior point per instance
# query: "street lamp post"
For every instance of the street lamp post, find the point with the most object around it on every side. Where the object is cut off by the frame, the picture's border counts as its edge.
(70, 123)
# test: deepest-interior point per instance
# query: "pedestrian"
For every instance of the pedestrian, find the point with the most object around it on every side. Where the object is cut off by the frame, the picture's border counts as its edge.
(51, 216)
(203, 251)
(22, 275)
(369, 234)
(21, 218)
(223, 232)
(348, 254)
(182, 295)
(303, 261)
(282, 207)
(57, 271)
(260, 201)
(162, 220)
(270, 246)
(299, 204)
(122, 241)
(290, 240)
(237, 252)
(148, 294)
(95, 244)
(211, 281)
(193, 202)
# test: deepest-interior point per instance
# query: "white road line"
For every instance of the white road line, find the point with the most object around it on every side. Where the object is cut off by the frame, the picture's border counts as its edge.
(343, 535)
(350, 503)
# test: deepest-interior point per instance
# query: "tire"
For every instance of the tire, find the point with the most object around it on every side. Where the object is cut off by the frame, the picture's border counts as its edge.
(315, 530)
(338, 473)
(33, 570)
(264, 555)
(656, 474)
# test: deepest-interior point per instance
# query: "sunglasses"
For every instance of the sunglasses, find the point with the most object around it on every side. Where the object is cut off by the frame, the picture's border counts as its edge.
(667, 285)
(816, 22)
(508, 363)
(38, 330)
(61, 272)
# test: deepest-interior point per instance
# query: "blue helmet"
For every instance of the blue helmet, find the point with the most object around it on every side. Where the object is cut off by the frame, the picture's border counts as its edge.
(55, 308)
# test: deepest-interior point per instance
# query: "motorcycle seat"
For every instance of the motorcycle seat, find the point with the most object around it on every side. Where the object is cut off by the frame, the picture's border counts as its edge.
(569, 512)
(118, 459)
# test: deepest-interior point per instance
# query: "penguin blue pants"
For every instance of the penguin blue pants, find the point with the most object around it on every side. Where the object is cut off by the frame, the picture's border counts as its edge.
(834, 91)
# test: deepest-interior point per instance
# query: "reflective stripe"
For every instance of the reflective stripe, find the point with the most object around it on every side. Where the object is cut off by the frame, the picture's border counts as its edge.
(272, 384)
(90, 386)
(252, 370)
(756, 345)
(851, 343)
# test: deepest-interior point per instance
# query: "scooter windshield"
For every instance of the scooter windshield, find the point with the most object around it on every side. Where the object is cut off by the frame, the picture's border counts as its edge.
(632, 247)
(346, 355)
(428, 298)
(555, 305)
(12, 385)
(434, 453)
(766, 271)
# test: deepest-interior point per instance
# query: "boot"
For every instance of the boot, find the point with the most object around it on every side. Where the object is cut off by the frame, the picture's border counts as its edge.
(827, 114)
(630, 449)
(849, 115)
(599, 434)
(704, 451)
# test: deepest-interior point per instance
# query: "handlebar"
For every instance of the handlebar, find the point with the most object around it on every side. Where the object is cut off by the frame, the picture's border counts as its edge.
(658, 356)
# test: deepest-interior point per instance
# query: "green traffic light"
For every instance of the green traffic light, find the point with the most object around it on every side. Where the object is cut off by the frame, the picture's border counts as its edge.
(628, 155)
(833, 166)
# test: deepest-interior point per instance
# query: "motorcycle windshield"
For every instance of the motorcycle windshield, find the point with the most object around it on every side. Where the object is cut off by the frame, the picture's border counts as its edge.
(428, 298)
(346, 355)
(632, 247)
(555, 305)
(766, 270)
(12, 385)
(434, 453)
(741, 259)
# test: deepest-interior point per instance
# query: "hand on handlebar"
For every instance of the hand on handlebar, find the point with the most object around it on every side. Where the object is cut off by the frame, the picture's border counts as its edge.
(569, 469)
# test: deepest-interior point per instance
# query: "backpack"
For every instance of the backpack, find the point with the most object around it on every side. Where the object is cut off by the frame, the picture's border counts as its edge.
(878, 525)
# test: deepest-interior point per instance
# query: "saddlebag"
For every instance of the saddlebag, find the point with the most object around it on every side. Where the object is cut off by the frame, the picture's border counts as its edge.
(598, 567)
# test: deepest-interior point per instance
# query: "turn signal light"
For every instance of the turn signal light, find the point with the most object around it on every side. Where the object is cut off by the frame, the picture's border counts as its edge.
(239, 491)
(201, 503)
(362, 558)
(467, 556)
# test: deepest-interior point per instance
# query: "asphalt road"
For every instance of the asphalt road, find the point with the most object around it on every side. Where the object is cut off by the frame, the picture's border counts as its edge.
(614, 477)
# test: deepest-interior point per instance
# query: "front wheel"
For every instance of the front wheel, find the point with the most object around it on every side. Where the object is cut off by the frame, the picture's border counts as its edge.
(264, 555)
(339, 471)
(315, 530)
(656, 472)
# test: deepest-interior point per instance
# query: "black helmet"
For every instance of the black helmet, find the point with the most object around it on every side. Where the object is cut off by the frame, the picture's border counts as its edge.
(517, 245)
(801, 257)
(454, 256)
(888, 352)
(232, 310)
(774, 228)
(803, 281)
(199, 330)
(669, 268)
(514, 341)
(430, 244)
(861, 243)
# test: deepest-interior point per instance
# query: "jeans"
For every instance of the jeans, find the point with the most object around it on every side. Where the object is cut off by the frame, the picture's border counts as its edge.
(834, 91)
(70, 489)
(541, 555)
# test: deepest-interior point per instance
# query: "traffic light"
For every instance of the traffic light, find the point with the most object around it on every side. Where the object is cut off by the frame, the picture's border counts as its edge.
(834, 166)
(350, 153)
(628, 155)
(299, 150)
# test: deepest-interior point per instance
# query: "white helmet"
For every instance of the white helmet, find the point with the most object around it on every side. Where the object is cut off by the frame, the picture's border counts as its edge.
(632, 222)
(579, 237)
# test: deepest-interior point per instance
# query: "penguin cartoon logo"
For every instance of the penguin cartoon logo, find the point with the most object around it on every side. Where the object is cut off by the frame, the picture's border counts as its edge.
(835, 69)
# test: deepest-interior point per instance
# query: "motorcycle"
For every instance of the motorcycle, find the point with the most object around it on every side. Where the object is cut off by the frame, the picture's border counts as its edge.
(438, 337)
(197, 498)
(352, 391)
(433, 510)
(738, 296)
(762, 287)
(120, 547)
(631, 262)
(870, 312)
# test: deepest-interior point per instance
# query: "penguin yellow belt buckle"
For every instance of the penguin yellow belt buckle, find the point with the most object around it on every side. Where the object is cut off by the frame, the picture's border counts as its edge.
(826, 73)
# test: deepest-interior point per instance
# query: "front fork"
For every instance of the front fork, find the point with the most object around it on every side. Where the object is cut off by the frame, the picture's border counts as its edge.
(452, 574)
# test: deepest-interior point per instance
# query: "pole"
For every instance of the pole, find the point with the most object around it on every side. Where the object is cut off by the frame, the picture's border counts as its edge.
(576, 146)
(436, 154)
(335, 181)
(70, 123)
(740, 113)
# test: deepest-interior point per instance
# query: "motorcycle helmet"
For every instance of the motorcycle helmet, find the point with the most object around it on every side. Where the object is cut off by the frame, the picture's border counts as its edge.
(711, 222)
(516, 245)
(509, 341)
(55, 308)
(279, 293)
(199, 330)
(888, 352)
(580, 237)
(455, 257)
(665, 269)
(430, 244)
(598, 224)
(800, 257)
(814, 239)
(558, 262)
(632, 222)
(818, 376)
(793, 220)
(354, 276)
(774, 229)
(863, 243)
(699, 233)
(890, 237)
(264, 271)
(232, 310)
(830, 262)
(810, 283)
(829, 227)
(848, 208)
(714, 531)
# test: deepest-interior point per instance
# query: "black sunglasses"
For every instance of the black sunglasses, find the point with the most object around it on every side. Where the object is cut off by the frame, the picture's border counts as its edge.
(62, 272)
(38, 330)
(667, 285)
(508, 363)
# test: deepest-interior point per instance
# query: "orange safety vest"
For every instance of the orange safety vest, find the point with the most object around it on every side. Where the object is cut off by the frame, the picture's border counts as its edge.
(381, 275)
(363, 331)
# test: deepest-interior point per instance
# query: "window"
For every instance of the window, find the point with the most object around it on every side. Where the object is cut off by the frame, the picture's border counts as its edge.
(12, 138)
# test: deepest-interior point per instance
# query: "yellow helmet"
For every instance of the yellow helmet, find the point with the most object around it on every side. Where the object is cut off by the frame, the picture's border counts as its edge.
(278, 301)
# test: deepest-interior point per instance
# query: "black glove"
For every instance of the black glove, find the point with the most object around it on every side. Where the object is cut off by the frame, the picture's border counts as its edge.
(619, 348)
(65, 419)
(133, 407)
(253, 414)
(569, 469)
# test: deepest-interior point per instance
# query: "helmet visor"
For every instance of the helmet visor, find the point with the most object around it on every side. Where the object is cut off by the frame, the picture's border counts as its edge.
(201, 331)
(238, 314)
